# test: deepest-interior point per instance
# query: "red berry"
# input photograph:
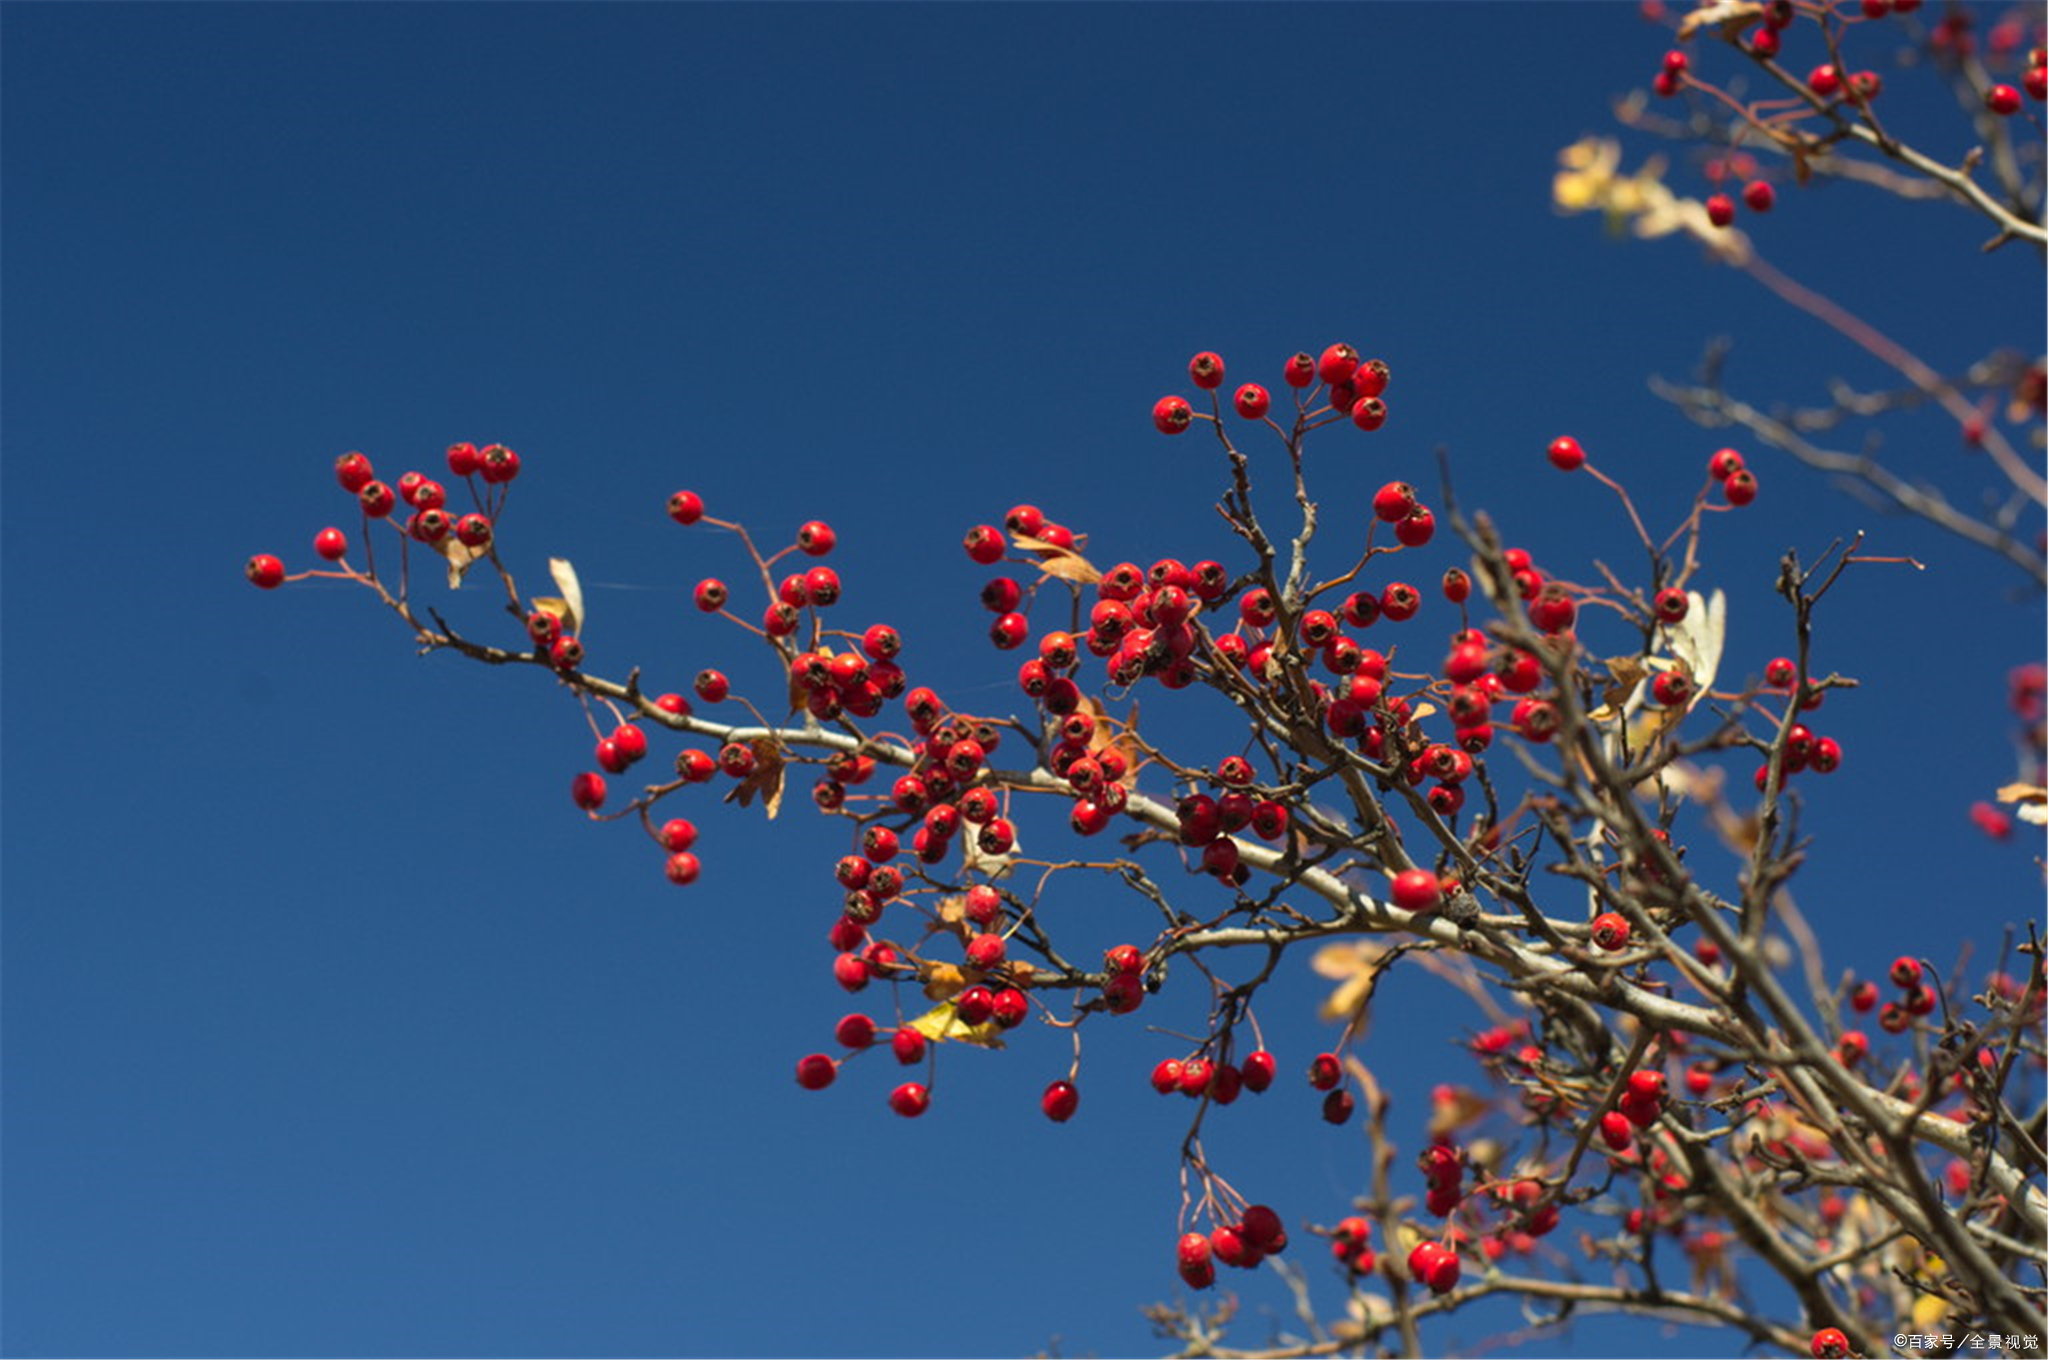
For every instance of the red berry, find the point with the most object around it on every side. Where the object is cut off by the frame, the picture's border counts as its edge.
(984, 544)
(1258, 1070)
(1417, 529)
(1781, 673)
(712, 686)
(1416, 890)
(462, 459)
(1338, 1106)
(498, 464)
(1301, 370)
(330, 544)
(1825, 80)
(816, 1072)
(264, 571)
(908, 1046)
(711, 595)
(1324, 1072)
(986, 951)
(1759, 196)
(686, 507)
(1369, 413)
(1060, 1101)
(1566, 455)
(353, 471)
(1740, 487)
(910, 1100)
(2002, 100)
(821, 587)
(1172, 415)
(815, 538)
(1829, 1344)
(1671, 689)
(1337, 364)
(1616, 1131)
(378, 500)
(1672, 604)
(1724, 464)
(1720, 209)
(565, 653)
(588, 790)
(2036, 81)
(1253, 401)
(1394, 502)
(1206, 370)
(1611, 931)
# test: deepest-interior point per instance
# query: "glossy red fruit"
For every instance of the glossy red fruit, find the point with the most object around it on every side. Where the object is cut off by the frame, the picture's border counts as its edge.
(498, 464)
(1337, 364)
(1611, 931)
(1740, 487)
(1416, 890)
(588, 790)
(1829, 1343)
(855, 1031)
(1205, 370)
(1781, 673)
(1724, 464)
(1172, 415)
(264, 571)
(1394, 502)
(378, 500)
(1759, 196)
(1566, 455)
(711, 595)
(910, 1100)
(686, 507)
(815, 538)
(712, 686)
(1252, 401)
(1720, 209)
(565, 653)
(816, 1072)
(1417, 529)
(1324, 1072)
(1671, 604)
(2002, 100)
(353, 471)
(1671, 689)
(330, 545)
(1825, 80)
(984, 544)
(1060, 1101)
(463, 459)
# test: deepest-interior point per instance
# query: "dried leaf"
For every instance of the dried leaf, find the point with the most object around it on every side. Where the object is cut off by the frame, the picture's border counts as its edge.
(1112, 735)
(572, 593)
(1626, 673)
(1697, 639)
(2023, 793)
(1460, 1109)
(952, 910)
(459, 555)
(1064, 563)
(765, 781)
(944, 982)
(1731, 17)
(942, 1024)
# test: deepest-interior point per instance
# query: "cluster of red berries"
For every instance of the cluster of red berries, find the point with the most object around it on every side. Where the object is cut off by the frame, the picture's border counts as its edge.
(1916, 998)
(430, 521)
(1435, 1266)
(1351, 387)
(1351, 1245)
(2004, 100)
(1196, 1077)
(1257, 1234)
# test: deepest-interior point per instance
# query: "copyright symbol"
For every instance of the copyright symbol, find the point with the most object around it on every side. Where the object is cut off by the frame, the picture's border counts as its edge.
(1899, 1340)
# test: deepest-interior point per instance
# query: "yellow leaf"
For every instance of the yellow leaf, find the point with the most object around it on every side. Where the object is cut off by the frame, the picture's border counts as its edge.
(2023, 793)
(572, 592)
(942, 1024)
(944, 982)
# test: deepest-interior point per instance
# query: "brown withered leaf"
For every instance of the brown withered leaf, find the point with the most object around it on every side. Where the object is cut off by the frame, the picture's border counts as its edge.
(2032, 800)
(766, 780)
(1626, 673)
(1064, 563)
(952, 910)
(1461, 1109)
(1111, 735)
(1357, 966)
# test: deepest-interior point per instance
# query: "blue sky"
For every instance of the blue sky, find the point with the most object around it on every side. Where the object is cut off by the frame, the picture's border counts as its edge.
(332, 1028)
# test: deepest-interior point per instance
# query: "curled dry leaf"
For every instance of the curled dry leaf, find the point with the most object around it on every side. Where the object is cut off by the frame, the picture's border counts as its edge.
(1731, 17)
(459, 555)
(1698, 639)
(1357, 966)
(944, 981)
(572, 592)
(1064, 563)
(766, 780)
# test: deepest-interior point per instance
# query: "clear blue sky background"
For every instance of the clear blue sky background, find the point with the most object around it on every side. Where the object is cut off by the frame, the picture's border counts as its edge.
(332, 1028)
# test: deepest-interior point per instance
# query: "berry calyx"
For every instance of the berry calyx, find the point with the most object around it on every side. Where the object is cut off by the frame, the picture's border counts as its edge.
(1172, 415)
